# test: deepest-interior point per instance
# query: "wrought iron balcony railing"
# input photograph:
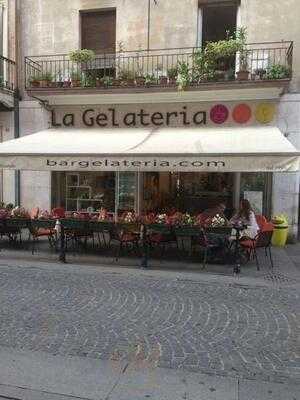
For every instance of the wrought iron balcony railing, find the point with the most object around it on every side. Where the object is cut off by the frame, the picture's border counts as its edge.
(160, 68)
(7, 74)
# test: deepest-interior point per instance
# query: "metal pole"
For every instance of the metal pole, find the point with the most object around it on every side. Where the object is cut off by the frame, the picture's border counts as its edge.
(149, 17)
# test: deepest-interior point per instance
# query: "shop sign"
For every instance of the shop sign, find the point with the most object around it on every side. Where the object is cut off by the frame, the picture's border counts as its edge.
(167, 115)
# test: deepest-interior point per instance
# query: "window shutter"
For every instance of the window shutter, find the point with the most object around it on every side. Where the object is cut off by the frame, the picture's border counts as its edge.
(98, 31)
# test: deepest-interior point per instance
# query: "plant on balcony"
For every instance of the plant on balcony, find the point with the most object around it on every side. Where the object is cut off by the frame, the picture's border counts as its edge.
(45, 78)
(34, 80)
(140, 80)
(81, 56)
(76, 78)
(150, 80)
(260, 73)
(172, 75)
(127, 77)
(243, 53)
(162, 78)
(184, 75)
(278, 71)
(107, 81)
(203, 67)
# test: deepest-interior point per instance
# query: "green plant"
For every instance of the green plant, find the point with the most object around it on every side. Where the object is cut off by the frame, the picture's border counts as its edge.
(76, 76)
(107, 81)
(81, 56)
(184, 76)
(45, 76)
(150, 79)
(203, 66)
(126, 75)
(215, 52)
(172, 72)
(278, 71)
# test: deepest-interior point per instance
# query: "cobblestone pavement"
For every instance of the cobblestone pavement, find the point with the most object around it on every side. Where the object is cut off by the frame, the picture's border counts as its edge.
(222, 329)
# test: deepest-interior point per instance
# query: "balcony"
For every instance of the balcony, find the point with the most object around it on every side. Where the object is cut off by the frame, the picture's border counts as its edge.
(7, 83)
(160, 75)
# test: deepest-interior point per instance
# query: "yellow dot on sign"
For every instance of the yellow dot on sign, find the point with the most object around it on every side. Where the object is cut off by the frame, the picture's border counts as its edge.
(265, 113)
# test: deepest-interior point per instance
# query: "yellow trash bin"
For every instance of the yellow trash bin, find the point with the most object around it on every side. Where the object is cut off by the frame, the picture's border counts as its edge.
(281, 229)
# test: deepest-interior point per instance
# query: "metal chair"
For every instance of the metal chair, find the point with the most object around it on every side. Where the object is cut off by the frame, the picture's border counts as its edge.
(262, 240)
(161, 236)
(125, 239)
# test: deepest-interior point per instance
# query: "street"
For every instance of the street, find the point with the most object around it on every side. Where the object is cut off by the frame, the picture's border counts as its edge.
(230, 330)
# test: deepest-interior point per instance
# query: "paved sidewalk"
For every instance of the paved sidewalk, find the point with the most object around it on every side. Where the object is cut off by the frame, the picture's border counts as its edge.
(39, 376)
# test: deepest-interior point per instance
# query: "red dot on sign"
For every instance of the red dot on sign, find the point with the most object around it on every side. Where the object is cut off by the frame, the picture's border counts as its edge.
(219, 114)
(241, 113)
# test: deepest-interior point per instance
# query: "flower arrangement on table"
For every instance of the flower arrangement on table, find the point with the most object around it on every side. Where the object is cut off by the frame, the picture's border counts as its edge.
(217, 221)
(4, 213)
(19, 212)
(188, 219)
(44, 214)
(148, 219)
(162, 219)
(103, 215)
(128, 217)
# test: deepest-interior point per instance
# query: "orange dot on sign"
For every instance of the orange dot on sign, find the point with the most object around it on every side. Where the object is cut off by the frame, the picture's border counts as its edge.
(241, 113)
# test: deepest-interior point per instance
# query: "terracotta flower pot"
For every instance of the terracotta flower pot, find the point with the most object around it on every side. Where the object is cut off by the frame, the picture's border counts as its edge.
(35, 84)
(44, 83)
(117, 82)
(99, 83)
(172, 81)
(140, 81)
(76, 83)
(163, 80)
(242, 75)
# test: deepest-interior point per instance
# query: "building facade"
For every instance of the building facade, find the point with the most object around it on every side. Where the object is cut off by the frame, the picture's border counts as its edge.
(142, 43)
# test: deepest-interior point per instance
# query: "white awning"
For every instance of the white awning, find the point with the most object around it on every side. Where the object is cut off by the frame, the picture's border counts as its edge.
(236, 149)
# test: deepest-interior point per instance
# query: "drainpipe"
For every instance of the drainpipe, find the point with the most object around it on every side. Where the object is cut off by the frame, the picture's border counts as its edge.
(17, 98)
(17, 135)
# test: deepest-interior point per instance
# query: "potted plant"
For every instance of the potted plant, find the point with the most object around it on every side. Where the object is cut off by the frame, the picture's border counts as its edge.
(76, 79)
(278, 71)
(172, 75)
(150, 80)
(126, 77)
(45, 78)
(107, 81)
(184, 76)
(140, 80)
(81, 56)
(243, 72)
(259, 73)
(34, 80)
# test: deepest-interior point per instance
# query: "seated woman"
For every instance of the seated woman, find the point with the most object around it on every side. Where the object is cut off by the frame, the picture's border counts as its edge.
(246, 216)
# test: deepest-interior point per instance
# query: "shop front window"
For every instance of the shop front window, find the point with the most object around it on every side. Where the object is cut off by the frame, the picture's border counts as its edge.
(89, 191)
(186, 192)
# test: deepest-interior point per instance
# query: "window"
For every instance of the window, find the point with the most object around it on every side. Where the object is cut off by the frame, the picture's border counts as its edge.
(215, 18)
(98, 31)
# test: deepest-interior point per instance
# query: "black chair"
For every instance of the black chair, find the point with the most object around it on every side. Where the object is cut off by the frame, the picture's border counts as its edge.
(262, 240)
(126, 236)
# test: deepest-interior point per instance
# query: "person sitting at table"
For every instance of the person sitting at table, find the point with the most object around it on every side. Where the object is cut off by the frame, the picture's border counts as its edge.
(246, 216)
